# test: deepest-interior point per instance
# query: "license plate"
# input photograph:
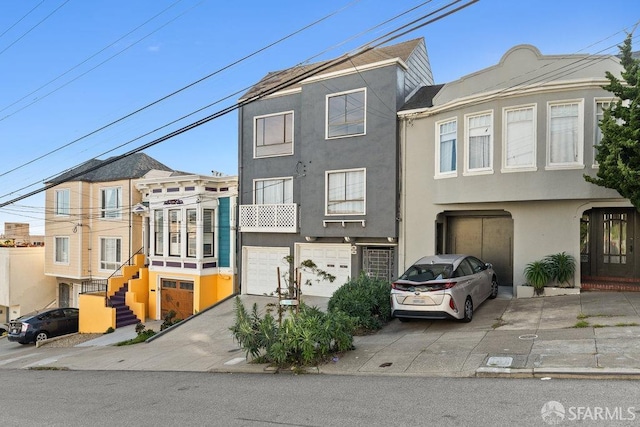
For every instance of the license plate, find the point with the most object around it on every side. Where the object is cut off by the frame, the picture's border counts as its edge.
(418, 301)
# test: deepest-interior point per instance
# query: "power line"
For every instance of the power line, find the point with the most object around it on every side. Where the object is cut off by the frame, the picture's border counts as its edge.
(83, 62)
(266, 92)
(218, 71)
(34, 27)
(21, 19)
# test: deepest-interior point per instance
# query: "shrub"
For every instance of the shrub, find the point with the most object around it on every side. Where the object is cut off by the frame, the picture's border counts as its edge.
(366, 300)
(169, 320)
(562, 267)
(538, 275)
(306, 338)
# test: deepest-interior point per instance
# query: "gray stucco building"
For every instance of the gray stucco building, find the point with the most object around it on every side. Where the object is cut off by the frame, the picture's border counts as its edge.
(319, 166)
(493, 165)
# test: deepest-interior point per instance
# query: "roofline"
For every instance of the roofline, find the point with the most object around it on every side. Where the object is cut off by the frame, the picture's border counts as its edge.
(555, 86)
(334, 74)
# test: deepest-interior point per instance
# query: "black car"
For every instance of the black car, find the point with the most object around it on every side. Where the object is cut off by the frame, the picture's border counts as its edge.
(39, 326)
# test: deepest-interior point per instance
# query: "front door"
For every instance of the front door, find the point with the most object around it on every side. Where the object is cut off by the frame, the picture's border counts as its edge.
(614, 245)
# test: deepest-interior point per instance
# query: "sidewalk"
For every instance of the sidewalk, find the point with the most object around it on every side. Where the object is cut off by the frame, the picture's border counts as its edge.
(534, 337)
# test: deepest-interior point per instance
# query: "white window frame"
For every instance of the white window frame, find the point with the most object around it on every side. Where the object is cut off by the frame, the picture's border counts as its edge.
(578, 163)
(327, 210)
(209, 236)
(110, 212)
(106, 264)
(364, 113)
(64, 258)
(597, 133)
(284, 144)
(532, 166)
(287, 179)
(454, 172)
(468, 131)
(159, 233)
(62, 202)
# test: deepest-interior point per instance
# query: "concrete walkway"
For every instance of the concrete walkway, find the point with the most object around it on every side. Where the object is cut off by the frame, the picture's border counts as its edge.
(536, 337)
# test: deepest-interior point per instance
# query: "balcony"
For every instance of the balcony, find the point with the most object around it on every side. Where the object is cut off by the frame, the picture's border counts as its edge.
(281, 218)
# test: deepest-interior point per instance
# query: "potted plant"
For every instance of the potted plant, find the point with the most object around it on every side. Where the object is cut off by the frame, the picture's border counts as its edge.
(538, 275)
(562, 267)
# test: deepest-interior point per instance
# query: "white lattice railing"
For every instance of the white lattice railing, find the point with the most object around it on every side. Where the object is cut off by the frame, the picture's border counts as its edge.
(281, 218)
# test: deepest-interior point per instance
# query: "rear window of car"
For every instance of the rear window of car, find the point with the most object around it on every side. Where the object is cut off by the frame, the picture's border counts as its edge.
(426, 272)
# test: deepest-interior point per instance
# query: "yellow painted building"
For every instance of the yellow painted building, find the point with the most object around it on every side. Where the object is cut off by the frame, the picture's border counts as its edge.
(131, 240)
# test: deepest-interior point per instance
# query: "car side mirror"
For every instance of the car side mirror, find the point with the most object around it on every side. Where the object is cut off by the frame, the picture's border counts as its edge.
(488, 265)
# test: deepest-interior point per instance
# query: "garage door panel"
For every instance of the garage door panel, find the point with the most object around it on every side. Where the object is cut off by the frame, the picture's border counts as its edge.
(489, 238)
(260, 266)
(333, 259)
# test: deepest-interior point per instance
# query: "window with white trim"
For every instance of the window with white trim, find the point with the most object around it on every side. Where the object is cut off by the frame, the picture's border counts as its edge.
(519, 148)
(273, 191)
(110, 253)
(273, 135)
(62, 202)
(158, 229)
(446, 137)
(346, 113)
(479, 142)
(61, 250)
(346, 191)
(208, 224)
(111, 203)
(565, 134)
(601, 106)
(192, 230)
(175, 218)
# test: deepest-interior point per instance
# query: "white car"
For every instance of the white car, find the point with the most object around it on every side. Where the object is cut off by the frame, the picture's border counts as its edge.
(443, 287)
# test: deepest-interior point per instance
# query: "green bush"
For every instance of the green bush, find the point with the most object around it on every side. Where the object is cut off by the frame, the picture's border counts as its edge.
(169, 320)
(562, 267)
(306, 338)
(538, 275)
(365, 299)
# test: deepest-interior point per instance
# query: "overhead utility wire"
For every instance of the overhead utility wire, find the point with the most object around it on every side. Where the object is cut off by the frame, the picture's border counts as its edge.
(218, 71)
(20, 20)
(83, 62)
(34, 27)
(273, 89)
(95, 67)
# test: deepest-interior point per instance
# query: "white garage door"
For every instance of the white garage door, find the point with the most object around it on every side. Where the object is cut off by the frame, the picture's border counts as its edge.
(334, 259)
(259, 269)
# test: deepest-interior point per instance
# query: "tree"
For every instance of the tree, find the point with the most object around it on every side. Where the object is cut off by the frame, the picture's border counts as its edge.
(618, 154)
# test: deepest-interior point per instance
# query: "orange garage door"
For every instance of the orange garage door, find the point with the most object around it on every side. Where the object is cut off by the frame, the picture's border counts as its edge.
(177, 296)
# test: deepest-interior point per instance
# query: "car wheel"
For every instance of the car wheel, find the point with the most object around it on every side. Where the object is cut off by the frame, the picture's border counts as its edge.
(468, 310)
(494, 288)
(41, 336)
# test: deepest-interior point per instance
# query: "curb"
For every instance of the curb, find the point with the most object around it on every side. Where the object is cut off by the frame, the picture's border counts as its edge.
(583, 373)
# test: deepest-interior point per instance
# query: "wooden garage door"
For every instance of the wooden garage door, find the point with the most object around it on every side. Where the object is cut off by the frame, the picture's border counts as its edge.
(177, 295)
(259, 268)
(488, 238)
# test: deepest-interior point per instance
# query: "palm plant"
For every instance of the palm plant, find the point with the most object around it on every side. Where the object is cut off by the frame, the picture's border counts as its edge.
(538, 275)
(562, 267)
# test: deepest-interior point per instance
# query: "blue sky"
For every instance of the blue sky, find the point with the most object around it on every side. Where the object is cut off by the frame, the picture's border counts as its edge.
(70, 67)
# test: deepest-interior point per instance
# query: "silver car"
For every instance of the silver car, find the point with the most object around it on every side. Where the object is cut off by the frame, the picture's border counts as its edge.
(443, 287)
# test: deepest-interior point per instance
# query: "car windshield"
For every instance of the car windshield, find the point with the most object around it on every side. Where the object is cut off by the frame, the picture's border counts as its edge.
(426, 272)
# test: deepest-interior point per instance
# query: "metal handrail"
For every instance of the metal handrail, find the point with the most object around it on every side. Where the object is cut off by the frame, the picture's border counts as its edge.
(102, 285)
